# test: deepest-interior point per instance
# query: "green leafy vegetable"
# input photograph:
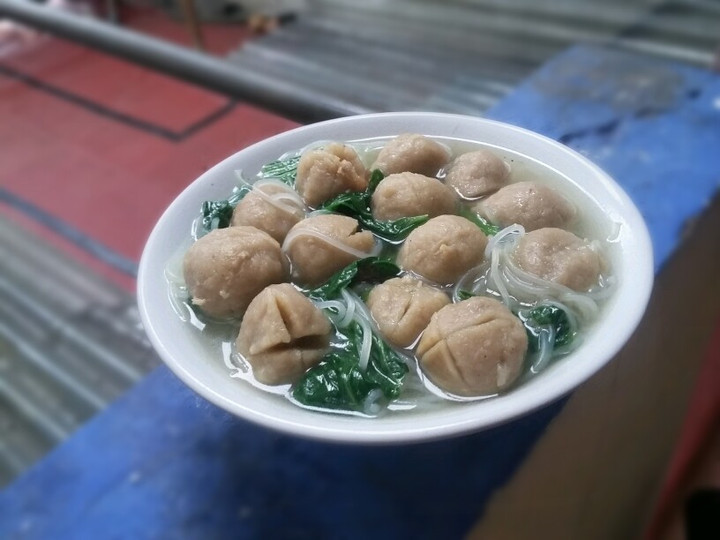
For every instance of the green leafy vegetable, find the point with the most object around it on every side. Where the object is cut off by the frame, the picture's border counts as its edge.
(464, 295)
(485, 226)
(284, 170)
(350, 203)
(370, 269)
(376, 177)
(337, 382)
(546, 315)
(396, 229)
(216, 214)
(356, 204)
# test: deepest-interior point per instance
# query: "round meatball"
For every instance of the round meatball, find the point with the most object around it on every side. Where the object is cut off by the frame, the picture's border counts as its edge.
(226, 268)
(531, 205)
(411, 152)
(473, 348)
(443, 249)
(275, 218)
(321, 245)
(282, 335)
(402, 308)
(410, 194)
(326, 172)
(477, 173)
(559, 256)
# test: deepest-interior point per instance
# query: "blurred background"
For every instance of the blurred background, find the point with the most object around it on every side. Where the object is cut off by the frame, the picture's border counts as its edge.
(100, 129)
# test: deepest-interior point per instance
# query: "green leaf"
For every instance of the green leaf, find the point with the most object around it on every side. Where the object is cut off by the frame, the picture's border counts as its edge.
(376, 177)
(350, 203)
(337, 382)
(284, 170)
(216, 214)
(464, 295)
(386, 369)
(485, 226)
(547, 315)
(397, 229)
(356, 204)
(370, 269)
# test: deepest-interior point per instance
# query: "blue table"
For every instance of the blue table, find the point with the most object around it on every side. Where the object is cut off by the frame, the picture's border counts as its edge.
(163, 463)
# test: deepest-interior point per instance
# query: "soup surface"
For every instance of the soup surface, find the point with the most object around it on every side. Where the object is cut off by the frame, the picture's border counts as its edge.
(458, 303)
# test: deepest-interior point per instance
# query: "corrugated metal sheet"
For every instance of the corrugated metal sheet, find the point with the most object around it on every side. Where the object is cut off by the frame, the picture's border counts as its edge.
(464, 55)
(70, 343)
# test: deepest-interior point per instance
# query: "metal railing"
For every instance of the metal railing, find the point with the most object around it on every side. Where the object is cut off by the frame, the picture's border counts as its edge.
(192, 66)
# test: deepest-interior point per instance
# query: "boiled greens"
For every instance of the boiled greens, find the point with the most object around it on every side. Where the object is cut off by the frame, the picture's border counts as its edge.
(339, 383)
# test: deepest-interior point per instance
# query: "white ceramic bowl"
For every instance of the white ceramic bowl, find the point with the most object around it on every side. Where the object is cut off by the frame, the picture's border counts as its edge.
(182, 350)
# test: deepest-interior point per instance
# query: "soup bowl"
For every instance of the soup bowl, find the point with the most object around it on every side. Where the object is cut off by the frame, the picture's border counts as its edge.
(183, 348)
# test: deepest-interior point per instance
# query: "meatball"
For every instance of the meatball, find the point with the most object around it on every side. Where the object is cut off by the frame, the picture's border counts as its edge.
(473, 348)
(531, 205)
(410, 194)
(275, 218)
(226, 268)
(411, 153)
(443, 249)
(326, 172)
(282, 335)
(559, 256)
(478, 173)
(321, 245)
(402, 308)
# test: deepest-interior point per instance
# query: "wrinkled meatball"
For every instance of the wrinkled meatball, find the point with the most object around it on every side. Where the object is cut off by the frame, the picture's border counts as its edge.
(410, 194)
(531, 205)
(411, 153)
(473, 348)
(559, 256)
(402, 308)
(477, 173)
(443, 249)
(275, 218)
(282, 335)
(326, 172)
(226, 268)
(312, 246)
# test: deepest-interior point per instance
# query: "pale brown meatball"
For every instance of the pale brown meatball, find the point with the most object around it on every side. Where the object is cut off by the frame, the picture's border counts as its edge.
(477, 173)
(314, 247)
(559, 256)
(411, 152)
(473, 348)
(275, 218)
(402, 308)
(443, 249)
(226, 268)
(282, 335)
(410, 194)
(326, 172)
(531, 205)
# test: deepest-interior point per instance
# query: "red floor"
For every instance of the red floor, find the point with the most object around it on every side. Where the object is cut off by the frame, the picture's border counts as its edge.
(105, 146)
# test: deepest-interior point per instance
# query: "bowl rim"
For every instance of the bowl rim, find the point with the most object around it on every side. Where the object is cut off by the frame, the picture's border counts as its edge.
(321, 425)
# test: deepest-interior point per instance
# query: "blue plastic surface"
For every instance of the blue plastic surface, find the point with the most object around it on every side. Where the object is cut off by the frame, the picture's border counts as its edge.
(162, 463)
(653, 126)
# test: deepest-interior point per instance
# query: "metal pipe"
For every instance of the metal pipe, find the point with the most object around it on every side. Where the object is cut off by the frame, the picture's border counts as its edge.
(275, 95)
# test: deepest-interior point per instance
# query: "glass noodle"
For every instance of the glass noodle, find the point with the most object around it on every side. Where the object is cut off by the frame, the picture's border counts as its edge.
(497, 277)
